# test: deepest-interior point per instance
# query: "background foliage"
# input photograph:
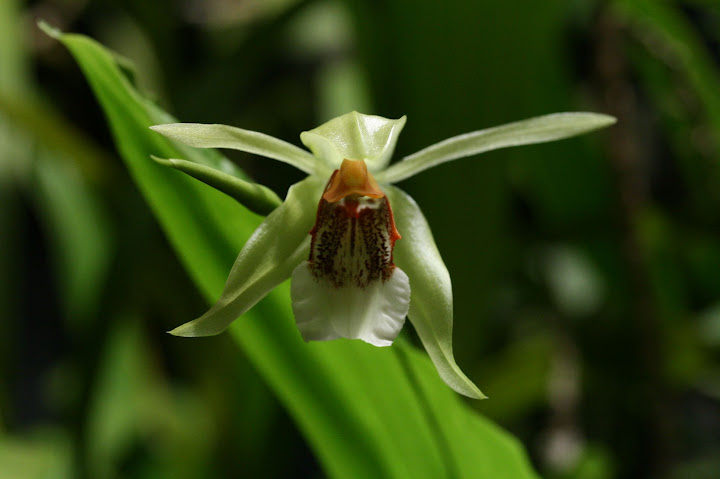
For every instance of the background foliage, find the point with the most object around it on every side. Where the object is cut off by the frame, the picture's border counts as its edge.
(585, 272)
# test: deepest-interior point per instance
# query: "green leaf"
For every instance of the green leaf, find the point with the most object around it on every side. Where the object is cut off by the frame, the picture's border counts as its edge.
(14, 52)
(540, 129)
(45, 454)
(366, 411)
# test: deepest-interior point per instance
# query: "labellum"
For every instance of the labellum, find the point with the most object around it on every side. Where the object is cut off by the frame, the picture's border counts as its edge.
(350, 287)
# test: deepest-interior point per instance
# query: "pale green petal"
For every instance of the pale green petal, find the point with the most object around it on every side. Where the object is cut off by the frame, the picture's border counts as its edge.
(374, 314)
(355, 136)
(268, 258)
(431, 305)
(201, 135)
(254, 196)
(535, 130)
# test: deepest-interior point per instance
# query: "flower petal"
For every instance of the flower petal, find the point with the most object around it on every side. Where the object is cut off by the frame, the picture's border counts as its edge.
(254, 196)
(324, 311)
(431, 307)
(355, 136)
(201, 135)
(534, 130)
(268, 258)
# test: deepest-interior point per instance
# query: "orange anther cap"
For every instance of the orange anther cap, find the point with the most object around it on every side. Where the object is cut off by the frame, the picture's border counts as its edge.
(353, 178)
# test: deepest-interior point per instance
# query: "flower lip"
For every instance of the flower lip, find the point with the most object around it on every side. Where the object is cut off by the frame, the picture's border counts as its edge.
(353, 178)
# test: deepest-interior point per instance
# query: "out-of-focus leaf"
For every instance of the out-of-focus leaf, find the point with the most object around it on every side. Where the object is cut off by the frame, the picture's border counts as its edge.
(113, 418)
(595, 463)
(360, 407)
(502, 373)
(680, 45)
(132, 405)
(43, 455)
(41, 124)
(78, 231)
(14, 64)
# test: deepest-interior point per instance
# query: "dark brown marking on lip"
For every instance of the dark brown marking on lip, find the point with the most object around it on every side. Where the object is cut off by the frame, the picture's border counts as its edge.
(353, 241)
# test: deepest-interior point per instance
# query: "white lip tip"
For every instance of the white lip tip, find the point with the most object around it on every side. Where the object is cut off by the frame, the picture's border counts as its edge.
(374, 314)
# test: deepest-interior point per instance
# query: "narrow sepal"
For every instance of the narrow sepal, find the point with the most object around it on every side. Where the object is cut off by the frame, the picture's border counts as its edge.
(49, 30)
(355, 136)
(534, 130)
(253, 196)
(268, 258)
(202, 135)
(431, 306)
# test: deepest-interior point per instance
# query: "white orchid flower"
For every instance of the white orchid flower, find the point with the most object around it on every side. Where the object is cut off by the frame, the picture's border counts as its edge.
(335, 234)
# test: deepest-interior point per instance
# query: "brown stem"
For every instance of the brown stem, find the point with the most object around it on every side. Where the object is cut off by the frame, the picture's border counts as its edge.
(628, 169)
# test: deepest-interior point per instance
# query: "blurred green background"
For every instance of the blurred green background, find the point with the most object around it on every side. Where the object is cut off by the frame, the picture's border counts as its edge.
(585, 272)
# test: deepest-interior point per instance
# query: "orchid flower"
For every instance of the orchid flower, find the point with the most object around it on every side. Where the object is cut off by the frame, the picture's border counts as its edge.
(359, 250)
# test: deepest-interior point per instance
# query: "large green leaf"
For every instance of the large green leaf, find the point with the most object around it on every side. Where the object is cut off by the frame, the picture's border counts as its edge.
(367, 412)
